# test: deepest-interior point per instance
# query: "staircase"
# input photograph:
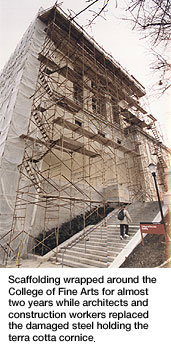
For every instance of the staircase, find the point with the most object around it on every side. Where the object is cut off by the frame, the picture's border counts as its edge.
(101, 244)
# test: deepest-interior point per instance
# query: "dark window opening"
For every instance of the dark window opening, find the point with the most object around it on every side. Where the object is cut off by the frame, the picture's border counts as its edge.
(93, 84)
(98, 101)
(40, 108)
(103, 108)
(47, 71)
(101, 134)
(119, 141)
(78, 93)
(126, 131)
(94, 104)
(79, 123)
(115, 111)
(98, 106)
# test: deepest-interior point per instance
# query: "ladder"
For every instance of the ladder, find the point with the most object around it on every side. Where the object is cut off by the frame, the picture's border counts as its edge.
(158, 151)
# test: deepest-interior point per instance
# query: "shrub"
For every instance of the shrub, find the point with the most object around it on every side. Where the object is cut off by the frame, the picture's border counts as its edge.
(68, 229)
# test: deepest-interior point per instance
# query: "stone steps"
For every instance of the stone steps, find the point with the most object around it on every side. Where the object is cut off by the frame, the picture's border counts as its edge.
(113, 247)
(80, 260)
(88, 255)
(91, 250)
(110, 234)
(103, 244)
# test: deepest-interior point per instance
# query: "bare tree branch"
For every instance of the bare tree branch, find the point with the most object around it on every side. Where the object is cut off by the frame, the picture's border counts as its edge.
(153, 19)
(147, 14)
(84, 9)
(98, 13)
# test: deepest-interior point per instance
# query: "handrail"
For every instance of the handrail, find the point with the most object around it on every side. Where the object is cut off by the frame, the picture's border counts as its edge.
(86, 233)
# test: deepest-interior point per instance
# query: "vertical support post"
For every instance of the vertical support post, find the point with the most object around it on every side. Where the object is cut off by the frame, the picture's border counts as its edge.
(63, 258)
(160, 206)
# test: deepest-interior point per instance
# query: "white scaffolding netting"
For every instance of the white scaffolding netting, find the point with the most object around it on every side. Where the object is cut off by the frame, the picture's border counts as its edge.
(17, 85)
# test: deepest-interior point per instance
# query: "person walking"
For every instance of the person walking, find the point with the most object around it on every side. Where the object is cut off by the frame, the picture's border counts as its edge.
(124, 218)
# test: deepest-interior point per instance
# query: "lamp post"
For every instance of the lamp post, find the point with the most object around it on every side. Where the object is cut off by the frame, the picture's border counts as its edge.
(153, 168)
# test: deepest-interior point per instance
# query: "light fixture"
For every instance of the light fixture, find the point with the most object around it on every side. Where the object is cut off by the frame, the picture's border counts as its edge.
(152, 167)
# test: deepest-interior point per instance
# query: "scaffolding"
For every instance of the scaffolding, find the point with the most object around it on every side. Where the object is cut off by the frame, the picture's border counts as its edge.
(83, 144)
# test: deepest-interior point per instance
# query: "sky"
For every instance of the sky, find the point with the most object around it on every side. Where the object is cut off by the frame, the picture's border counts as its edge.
(110, 31)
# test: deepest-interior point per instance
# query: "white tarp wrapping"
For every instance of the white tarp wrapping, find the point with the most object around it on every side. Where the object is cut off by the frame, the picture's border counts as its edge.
(17, 85)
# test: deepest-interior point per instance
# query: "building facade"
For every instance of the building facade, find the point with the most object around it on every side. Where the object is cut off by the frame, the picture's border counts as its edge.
(74, 134)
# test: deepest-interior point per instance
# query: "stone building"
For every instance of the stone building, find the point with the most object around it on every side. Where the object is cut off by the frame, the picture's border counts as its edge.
(73, 133)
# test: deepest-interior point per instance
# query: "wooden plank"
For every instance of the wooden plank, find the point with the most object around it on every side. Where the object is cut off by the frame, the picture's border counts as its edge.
(75, 128)
(67, 143)
(93, 136)
(130, 117)
(75, 146)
